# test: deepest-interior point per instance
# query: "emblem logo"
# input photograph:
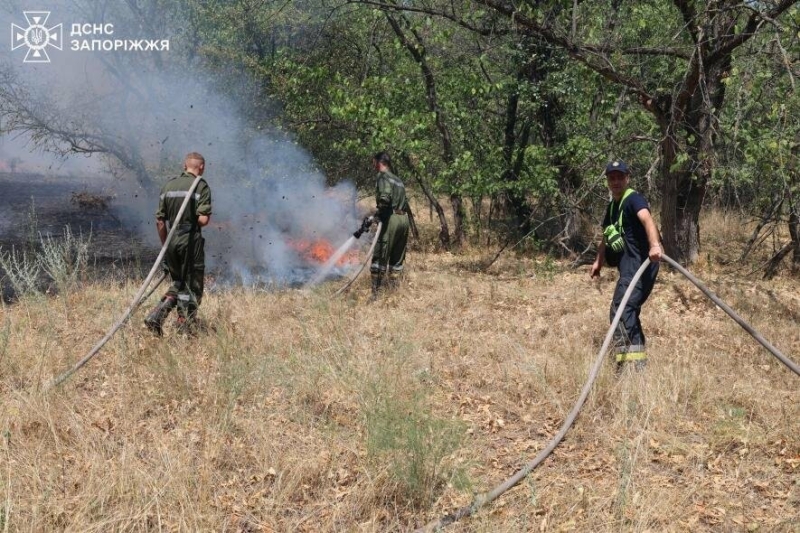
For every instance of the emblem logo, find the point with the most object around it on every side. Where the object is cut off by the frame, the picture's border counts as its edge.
(37, 37)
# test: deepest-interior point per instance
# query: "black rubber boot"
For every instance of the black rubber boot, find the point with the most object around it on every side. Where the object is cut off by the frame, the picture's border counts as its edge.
(155, 319)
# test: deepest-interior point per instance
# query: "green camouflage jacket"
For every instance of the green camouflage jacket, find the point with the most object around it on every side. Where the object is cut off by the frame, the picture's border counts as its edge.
(173, 193)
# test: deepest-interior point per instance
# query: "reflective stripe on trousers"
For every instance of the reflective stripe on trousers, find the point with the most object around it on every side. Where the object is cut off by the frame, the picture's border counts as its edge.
(631, 356)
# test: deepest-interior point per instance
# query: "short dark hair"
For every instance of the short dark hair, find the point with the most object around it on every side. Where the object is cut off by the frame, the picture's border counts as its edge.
(383, 157)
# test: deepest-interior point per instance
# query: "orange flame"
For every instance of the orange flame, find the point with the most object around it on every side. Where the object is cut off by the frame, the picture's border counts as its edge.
(320, 250)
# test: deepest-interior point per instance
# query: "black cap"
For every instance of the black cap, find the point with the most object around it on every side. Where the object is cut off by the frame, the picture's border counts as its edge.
(618, 165)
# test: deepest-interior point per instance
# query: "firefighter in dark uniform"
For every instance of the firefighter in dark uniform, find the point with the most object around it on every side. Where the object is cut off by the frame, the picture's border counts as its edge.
(629, 237)
(392, 211)
(185, 258)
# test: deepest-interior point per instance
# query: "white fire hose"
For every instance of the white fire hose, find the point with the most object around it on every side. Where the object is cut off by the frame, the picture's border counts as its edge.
(137, 300)
(364, 264)
(483, 499)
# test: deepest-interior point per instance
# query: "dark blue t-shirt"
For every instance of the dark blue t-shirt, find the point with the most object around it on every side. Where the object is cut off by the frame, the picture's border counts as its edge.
(636, 244)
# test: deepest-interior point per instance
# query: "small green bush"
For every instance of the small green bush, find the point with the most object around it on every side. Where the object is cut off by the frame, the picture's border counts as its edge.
(22, 271)
(64, 260)
(404, 436)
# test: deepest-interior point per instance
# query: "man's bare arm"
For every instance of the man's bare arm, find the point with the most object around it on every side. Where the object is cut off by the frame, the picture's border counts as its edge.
(161, 226)
(652, 234)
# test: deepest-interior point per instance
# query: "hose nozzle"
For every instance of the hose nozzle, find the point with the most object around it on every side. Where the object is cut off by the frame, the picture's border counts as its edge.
(365, 225)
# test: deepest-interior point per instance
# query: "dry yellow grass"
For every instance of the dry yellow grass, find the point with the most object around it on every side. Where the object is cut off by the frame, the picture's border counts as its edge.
(302, 413)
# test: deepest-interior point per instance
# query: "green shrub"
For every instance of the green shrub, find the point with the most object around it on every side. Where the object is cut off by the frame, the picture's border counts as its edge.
(413, 444)
(22, 271)
(64, 260)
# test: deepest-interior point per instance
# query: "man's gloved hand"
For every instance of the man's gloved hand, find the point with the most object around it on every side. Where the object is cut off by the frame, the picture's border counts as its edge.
(365, 225)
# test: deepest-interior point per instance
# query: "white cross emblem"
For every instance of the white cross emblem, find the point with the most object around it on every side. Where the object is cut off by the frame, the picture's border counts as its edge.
(37, 37)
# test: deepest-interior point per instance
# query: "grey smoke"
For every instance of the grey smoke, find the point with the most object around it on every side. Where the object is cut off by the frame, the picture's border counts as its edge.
(267, 193)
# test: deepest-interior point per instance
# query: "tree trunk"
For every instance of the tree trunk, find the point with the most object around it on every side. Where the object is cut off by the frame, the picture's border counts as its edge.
(691, 118)
(680, 216)
(444, 230)
(681, 200)
(794, 233)
(418, 51)
(513, 156)
(458, 218)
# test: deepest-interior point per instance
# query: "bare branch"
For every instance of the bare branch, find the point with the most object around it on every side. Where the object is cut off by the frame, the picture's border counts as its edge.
(755, 20)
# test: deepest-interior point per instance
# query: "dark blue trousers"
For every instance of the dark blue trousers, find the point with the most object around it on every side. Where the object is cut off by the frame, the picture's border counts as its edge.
(629, 337)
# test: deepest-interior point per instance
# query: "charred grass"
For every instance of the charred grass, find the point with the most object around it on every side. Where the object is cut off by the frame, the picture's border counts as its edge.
(297, 411)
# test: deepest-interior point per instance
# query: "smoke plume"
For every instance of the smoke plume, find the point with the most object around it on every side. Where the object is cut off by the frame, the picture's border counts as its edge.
(134, 115)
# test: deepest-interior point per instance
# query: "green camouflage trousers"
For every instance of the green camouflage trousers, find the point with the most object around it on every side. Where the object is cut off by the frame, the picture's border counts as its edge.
(186, 267)
(391, 247)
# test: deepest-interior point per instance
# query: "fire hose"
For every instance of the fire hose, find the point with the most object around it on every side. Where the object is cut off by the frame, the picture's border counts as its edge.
(482, 499)
(154, 287)
(366, 261)
(137, 300)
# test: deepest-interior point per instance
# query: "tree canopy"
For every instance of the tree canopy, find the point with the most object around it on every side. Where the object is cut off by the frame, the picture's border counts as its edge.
(499, 112)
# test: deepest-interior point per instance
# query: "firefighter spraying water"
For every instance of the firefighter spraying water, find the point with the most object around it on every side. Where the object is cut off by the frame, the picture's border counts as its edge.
(393, 213)
(334, 259)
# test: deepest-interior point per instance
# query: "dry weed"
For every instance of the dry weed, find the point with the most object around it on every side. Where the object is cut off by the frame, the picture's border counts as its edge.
(297, 412)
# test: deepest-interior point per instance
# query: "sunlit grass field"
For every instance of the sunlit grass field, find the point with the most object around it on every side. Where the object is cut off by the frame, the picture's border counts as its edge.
(300, 411)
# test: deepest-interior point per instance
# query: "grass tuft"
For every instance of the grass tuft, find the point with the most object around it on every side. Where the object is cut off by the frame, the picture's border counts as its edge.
(292, 411)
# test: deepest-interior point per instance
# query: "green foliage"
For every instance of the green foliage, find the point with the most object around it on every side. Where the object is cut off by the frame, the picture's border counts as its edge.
(516, 112)
(362, 91)
(539, 175)
(64, 260)
(22, 271)
(760, 156)
(415, 444)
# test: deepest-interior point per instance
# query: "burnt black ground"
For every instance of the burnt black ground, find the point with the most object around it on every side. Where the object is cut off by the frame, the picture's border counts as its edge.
(119, 216)
(33, 205)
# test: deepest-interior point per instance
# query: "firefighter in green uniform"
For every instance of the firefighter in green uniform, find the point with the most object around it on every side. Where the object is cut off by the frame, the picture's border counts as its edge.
(185, 256)
(393, 212)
